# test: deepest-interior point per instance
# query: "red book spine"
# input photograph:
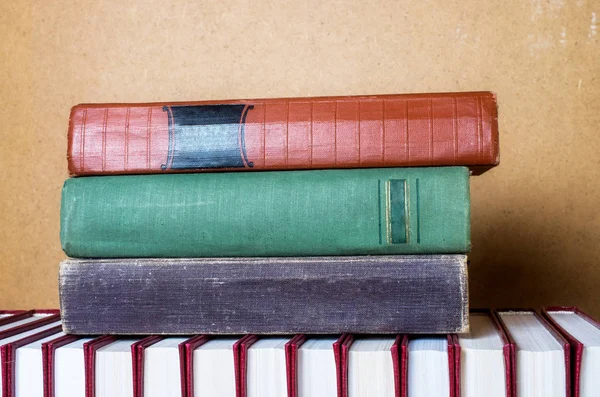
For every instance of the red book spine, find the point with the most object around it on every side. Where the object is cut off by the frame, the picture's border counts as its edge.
(292, 133)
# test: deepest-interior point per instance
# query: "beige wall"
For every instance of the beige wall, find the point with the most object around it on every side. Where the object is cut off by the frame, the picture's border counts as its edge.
(536, 228)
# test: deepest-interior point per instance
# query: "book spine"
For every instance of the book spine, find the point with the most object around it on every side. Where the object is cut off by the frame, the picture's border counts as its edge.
(318, 295)
(279, 134)
(293, 213)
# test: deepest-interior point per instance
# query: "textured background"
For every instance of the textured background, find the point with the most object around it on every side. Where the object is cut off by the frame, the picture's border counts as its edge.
(535, 224)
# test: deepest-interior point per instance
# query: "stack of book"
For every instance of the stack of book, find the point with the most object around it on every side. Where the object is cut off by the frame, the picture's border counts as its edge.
(333, 265)
(316, 242)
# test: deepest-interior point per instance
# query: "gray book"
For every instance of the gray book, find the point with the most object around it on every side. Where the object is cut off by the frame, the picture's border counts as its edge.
(312, 295)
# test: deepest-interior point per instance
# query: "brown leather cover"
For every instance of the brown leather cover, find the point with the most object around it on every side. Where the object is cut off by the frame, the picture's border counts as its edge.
(513, 347)
(89, 352)
(436, 129)
(48, 354)
(506, 350)
(137, 353)
(576, 345)
(404, 365)
(8, 357)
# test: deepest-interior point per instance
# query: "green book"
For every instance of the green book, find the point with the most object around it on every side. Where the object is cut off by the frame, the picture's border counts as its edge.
(282, 213)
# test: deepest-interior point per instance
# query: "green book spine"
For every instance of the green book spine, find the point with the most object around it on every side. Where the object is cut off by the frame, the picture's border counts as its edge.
(286, 213)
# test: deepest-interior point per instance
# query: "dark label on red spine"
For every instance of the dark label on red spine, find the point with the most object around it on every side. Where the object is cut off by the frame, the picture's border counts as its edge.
(207, 136)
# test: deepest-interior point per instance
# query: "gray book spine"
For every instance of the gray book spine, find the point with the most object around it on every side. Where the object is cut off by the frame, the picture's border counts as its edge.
(319, 295)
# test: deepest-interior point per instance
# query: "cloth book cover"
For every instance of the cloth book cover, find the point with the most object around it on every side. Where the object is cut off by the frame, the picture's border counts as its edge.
(314, 295)
(281, 213)
(291, 133)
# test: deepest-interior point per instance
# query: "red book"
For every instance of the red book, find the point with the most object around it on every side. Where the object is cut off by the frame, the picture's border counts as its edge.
(292, 133)
(4, 313)
(405, 362)
(9, 316)
(240, 359)
(137, 351)
(22, 335)
(186, 356)
(570, 331)
(507, 349)
(89, 351)
(145, 364)
(48, 359)
(292, 365)
(34, 319)
(517, 334)
(343, 358)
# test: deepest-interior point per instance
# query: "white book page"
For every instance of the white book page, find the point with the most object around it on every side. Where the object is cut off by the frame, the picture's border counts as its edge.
(371, 368)
(114, 369)
(266, 371)
(589, 336)
(69, 369)
(162, 377)
(482, 367)
(428, 367)
(21, 336)
(29, 374)
(540, 358)
(214, 370)
(316, 372)
(21, 322)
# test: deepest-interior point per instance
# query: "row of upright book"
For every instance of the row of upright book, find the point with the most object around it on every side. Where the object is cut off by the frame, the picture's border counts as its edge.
(507, 353)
